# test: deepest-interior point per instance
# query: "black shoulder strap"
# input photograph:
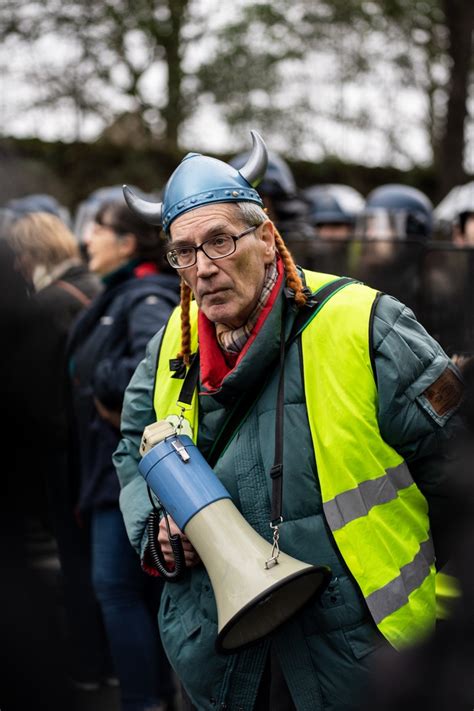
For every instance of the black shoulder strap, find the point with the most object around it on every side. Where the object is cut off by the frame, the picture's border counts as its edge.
(276, 472)
(315, 303)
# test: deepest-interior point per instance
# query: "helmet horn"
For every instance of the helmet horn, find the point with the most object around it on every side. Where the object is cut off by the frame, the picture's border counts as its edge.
(150, 212)
(256, 165)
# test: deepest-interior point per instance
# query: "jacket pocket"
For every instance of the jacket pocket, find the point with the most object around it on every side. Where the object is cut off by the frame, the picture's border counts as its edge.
(188, 638)
(179, 616)
(336, 608)
(364, 639)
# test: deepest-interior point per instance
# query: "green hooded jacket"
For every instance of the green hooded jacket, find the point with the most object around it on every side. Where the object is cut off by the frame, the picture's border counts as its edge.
(326, 649)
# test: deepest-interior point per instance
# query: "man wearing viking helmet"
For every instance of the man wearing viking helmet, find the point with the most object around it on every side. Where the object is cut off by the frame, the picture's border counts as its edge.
(344, 393)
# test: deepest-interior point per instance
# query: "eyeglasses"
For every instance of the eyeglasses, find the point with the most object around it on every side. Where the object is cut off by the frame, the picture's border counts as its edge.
(216, 247)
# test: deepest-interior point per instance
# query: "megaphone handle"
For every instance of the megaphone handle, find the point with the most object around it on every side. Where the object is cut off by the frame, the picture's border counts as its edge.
(157, 554)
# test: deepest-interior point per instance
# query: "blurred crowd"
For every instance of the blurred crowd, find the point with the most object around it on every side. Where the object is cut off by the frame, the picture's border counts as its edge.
(83, 294)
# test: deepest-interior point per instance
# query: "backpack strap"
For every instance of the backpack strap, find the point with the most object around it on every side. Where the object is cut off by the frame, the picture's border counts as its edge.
(74, 291)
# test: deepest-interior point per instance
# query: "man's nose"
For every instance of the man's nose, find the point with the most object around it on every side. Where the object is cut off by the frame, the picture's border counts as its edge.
(204, 265)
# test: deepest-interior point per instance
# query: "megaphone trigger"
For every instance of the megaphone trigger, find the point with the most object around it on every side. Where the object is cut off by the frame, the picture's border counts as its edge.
(178, 446)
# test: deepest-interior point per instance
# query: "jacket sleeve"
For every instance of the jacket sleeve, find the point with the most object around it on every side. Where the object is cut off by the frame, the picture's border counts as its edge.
(137, 413)
(419, 393)
(113, 374)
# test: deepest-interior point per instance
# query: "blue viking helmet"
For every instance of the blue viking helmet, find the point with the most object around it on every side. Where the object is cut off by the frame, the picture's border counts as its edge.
(200, 180)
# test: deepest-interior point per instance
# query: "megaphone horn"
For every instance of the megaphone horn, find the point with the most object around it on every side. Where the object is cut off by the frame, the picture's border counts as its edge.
(255, 590)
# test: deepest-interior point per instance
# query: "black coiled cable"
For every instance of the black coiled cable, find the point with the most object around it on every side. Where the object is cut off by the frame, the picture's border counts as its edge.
(155, 549)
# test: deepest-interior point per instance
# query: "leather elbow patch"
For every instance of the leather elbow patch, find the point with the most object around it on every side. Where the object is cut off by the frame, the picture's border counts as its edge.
(445, 394)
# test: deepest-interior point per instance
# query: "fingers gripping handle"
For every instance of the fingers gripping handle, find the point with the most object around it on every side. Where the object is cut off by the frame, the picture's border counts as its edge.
(156, 553)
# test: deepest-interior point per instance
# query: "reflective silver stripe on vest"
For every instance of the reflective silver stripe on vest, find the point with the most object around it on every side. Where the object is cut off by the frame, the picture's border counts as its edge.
(394, 595)
(353, 504)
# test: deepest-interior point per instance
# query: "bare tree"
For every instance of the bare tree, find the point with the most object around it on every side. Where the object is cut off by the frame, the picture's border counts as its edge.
(116, 49)
(394, 46)
(460, 23)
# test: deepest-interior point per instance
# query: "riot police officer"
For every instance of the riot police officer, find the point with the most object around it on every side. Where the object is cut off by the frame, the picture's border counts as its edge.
(396, 212)
(334, 209)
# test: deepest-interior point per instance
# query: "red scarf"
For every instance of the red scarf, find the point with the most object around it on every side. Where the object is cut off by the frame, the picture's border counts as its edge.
(215, 365)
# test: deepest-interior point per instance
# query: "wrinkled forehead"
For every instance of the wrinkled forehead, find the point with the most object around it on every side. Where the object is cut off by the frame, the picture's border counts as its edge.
(195, 225)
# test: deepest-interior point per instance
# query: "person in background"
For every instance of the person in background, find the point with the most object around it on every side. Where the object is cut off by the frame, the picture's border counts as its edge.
(449, 274)
(436, 674)
(334, 209)
(284, 202)
(61, 285)
(391, 233)
(88, 208)
(106, 344)
(463, 229)
(455, 215)
(395, 212)
(52, 287)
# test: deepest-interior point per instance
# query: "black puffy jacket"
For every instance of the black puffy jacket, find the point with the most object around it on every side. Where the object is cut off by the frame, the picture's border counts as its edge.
(106, 345)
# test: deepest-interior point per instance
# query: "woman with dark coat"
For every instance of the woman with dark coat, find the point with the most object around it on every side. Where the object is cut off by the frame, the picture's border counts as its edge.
(47, 286)
(106, 345)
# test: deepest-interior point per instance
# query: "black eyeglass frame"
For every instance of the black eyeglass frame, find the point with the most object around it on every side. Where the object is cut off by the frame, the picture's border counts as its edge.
(201, 246)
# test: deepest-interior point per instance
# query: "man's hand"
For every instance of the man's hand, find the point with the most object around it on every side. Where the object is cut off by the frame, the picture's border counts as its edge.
(190, 555)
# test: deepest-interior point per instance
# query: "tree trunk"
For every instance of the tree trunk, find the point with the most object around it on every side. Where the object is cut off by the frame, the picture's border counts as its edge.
(460, 23)
(173, 113)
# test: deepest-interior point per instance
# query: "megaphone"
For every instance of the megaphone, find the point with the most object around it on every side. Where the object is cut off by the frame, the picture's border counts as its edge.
(255, 591)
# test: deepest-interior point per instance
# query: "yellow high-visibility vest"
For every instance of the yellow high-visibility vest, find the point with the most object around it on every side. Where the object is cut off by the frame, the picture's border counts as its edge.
(377, 514)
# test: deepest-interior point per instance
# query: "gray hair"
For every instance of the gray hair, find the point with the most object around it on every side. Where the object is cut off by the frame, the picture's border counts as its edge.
(252, 214)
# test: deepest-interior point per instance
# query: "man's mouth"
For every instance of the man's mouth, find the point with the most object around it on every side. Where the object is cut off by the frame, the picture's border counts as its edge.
(214, 292)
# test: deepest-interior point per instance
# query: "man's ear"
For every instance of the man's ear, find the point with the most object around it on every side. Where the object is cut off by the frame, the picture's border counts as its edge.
(267, 236)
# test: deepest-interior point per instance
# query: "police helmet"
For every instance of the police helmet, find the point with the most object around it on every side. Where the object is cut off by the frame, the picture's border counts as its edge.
(277, 182)
(456, 207)
(333, 204)
(396, 211)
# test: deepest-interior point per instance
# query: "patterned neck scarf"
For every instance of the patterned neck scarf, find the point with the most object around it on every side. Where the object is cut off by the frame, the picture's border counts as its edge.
(233, 340)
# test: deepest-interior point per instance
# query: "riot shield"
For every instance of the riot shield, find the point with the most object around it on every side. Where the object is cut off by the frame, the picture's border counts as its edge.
(447, 288)
(390, 266)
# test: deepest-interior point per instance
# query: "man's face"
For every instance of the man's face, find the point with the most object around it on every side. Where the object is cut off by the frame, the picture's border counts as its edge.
(226, 290)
